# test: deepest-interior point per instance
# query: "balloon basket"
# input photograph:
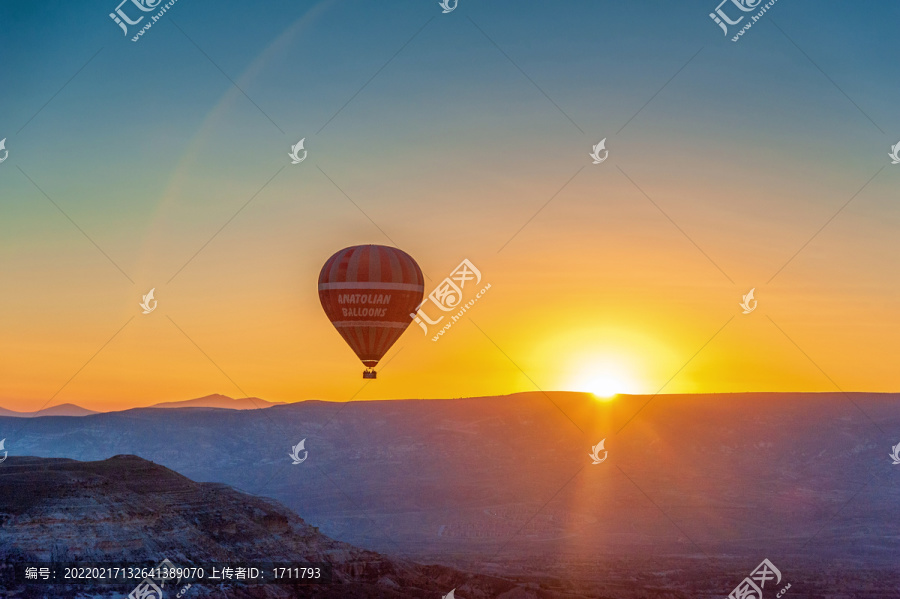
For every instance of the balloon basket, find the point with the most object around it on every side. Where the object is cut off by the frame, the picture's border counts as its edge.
(369, 373)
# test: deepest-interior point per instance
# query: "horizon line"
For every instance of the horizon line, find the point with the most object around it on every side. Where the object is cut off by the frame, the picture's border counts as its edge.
(163, 405)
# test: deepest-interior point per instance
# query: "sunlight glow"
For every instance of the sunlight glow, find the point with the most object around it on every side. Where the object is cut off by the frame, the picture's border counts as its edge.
(605, 386)
(605, 378)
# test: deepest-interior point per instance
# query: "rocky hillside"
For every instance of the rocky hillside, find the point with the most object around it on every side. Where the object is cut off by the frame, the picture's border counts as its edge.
(695, 491)
(126, 509)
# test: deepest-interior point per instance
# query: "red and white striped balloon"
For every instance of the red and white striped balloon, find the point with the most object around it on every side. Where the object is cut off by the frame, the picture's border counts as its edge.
(368, 293)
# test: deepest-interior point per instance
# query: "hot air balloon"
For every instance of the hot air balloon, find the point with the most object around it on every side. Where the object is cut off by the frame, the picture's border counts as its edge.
(368, 293)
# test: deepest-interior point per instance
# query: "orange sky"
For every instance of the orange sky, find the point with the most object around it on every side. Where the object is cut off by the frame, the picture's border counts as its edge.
(623, 276)
(572, 306)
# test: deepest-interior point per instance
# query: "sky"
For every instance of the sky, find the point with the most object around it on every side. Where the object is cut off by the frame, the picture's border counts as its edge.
(163, 164)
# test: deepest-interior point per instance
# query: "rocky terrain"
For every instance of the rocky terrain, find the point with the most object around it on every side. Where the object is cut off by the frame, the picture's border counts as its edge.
(695, 490)
(129, 510)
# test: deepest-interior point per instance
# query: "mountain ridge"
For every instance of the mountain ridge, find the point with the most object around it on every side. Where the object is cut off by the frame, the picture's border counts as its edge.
(221, 401)
(129, 510)
(702, 486)
(64, 409)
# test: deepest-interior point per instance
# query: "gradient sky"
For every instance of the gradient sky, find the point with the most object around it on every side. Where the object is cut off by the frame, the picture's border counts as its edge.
(737, 159)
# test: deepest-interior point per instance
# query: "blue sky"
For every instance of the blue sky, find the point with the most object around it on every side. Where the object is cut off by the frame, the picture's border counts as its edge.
(444, 135)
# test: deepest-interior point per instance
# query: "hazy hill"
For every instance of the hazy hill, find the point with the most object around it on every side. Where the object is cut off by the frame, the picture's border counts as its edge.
(65, 409)
(215, 400)
(803, 479)
(220, 401)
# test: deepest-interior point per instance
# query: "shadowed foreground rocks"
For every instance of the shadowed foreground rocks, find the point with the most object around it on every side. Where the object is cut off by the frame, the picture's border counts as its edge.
(128, 510)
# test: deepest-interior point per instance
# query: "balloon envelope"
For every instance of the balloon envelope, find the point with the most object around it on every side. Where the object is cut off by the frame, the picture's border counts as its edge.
(368, 293)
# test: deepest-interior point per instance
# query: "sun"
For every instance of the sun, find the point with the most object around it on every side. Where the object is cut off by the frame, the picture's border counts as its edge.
(606, 386)
(605, 380)
(603, 361)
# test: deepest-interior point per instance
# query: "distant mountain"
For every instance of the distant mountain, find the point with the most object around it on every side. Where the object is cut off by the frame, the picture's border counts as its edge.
(65, 409)
(128, 510)
(210, 401)
(220, 401)
(501, 483)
